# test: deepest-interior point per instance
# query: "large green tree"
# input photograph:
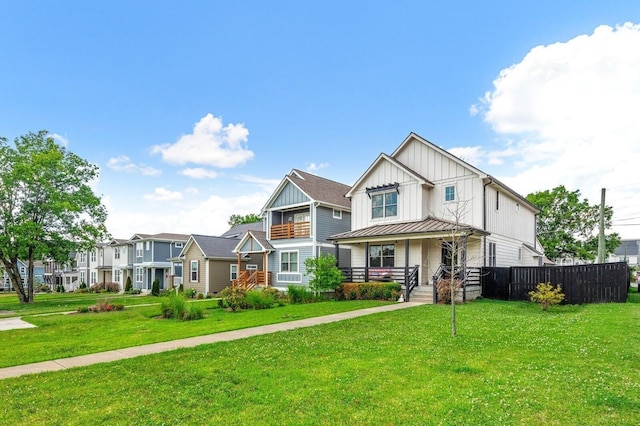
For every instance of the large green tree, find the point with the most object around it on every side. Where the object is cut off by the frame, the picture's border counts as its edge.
(567, 226)
(47, 208)
(236, 219)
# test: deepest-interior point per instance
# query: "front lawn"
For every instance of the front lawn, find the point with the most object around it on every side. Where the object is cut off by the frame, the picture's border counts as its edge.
(63, 336)
(64, 302)
(511, 364)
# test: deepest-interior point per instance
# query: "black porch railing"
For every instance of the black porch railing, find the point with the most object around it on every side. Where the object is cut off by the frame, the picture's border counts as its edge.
(467, 275)
(406, 276)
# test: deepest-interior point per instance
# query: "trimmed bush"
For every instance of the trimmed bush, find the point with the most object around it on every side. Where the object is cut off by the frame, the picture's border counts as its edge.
(155, 287)
(128, 286)
(105, 288)
(368, 291)
(234, 298)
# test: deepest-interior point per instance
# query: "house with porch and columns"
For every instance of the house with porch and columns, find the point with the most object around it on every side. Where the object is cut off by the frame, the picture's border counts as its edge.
(298, 218)
(422, 214)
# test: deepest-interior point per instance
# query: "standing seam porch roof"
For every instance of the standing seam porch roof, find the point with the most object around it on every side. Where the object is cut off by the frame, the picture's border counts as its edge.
(426, 226)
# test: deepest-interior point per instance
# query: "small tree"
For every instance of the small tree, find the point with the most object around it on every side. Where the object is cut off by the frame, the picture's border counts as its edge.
(546, 295)
(155, 288)
(324, 273)
(128, 286)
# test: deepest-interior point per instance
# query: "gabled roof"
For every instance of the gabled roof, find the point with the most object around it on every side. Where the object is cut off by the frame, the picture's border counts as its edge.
(118, 241)
(212, 247)
(316, 188)
(238, 231)
(384, 157)
(260, 237)
(165, 236)
(417, 228)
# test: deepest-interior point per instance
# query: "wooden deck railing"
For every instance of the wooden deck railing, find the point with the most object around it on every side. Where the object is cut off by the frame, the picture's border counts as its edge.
(250, 279)
(291, 230)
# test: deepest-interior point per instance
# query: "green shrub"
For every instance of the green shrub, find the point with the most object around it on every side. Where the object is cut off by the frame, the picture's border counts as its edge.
(155, 287)
(545, 295)
(128, 286)
(83, 285)
(234, 298)
(368, 291)
(324, 273)
(176, 307)
(43, 288)
(59, 288)
(190, 293)
(199, 296)
(258, 299)
(193, 312)
(300, 294)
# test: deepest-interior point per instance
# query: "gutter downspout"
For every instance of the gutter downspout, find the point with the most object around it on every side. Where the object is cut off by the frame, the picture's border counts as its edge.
(484, 220)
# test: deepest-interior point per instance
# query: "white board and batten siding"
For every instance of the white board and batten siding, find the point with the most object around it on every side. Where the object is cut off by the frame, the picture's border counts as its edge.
(410, 196)
(510, 217)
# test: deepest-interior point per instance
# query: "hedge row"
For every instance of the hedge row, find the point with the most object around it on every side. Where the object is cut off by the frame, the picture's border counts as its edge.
(368, 291)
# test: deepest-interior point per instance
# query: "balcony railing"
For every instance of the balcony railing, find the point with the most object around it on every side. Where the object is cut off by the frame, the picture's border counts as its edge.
(291, 230)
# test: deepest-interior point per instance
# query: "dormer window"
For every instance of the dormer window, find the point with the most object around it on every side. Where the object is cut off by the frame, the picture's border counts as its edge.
(384, 205)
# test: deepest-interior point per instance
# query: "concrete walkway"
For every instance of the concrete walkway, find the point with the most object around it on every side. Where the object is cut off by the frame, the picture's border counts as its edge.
(190, 342)
(13, 323)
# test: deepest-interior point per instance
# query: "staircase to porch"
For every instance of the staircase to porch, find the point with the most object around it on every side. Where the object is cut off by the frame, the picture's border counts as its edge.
(422, 294)
(251, 279)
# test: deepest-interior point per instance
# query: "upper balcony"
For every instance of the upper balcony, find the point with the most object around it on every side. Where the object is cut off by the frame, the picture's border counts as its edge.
(290, 230)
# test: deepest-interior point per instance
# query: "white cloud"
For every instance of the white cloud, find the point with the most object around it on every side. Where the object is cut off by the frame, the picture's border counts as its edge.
(313, 167)
(210, 144)
(268, 185)
(571, 110)
(163, 194)
(207, 216)
(63, 141)
(470, 154)
(123, 163)
(199, 173)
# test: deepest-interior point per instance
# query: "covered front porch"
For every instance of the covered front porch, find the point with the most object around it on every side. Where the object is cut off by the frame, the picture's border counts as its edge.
(415, 254)
(252, 243)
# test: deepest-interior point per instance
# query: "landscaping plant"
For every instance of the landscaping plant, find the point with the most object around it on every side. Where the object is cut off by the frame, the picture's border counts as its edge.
(324, 273)
(546, 295)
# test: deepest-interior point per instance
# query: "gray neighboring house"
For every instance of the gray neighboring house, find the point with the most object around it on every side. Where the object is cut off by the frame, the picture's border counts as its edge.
(38, 275)
(628, 251)
(152, 256)
(303, 211)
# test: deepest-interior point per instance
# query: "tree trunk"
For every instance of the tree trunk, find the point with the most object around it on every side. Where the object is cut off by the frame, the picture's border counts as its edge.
(13, 270)
(30, 276)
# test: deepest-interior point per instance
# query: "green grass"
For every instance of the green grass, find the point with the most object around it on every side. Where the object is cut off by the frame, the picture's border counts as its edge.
(64, 302)
(511, 364)
(63, 336)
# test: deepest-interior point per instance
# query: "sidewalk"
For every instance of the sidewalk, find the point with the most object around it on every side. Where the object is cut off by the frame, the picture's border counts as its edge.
(132, 352)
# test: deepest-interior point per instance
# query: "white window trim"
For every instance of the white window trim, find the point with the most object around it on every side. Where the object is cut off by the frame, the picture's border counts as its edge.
(384, 205)
(337, 214)
(191, 271)
(139, 249)
(139, 274)
(179, 245)
(455, 193)
(297, 271)
(93, 257)
(233, 270)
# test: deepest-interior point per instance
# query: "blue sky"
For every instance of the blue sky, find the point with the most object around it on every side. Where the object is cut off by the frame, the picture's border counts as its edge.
(195, 110)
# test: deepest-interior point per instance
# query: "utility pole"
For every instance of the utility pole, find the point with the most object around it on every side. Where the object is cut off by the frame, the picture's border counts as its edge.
(601, 245)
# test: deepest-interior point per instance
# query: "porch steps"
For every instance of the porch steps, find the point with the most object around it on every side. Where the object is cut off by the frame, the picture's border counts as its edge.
(422, 294)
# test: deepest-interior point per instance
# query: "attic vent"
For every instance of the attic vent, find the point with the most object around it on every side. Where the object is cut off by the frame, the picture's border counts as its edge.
(380, 188)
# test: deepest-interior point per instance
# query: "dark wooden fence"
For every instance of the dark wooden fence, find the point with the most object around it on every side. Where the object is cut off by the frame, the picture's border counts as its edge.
(603, 282)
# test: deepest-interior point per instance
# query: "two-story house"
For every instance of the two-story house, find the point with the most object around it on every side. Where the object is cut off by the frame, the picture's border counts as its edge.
(422, 208)
(303, 211)
(38, 275)
(121, 262)
(152, 258)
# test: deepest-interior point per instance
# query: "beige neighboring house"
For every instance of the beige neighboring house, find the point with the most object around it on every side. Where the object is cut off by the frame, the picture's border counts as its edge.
(209, 263)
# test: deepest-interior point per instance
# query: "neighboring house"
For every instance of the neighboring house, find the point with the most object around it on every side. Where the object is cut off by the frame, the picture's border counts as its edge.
(303, 211)
(38, 275)
(210, 265)
(407, 205)
(628, 251)
(152, 258)
(121, 262)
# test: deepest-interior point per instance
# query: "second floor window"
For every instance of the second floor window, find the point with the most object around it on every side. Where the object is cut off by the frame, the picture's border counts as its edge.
(83, 258)
(450, 193)
(384, 205)
(139, 249)
(93, 256)
(116, 253)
